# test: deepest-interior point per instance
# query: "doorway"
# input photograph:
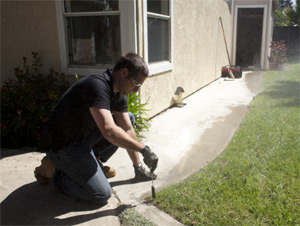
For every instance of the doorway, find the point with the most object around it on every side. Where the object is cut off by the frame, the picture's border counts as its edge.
(249, 37)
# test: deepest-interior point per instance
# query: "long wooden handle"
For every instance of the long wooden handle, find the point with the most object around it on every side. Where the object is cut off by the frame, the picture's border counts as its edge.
(230, 72)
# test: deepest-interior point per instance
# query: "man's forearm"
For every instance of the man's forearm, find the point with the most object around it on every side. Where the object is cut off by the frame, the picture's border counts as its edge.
(121, 138)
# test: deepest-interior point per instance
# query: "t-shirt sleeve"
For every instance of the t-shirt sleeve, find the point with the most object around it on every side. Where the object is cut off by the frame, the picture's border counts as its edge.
(98, 94)
(121, 104)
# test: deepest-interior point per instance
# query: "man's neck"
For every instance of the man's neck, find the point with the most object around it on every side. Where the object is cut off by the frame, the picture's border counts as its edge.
(114, 82)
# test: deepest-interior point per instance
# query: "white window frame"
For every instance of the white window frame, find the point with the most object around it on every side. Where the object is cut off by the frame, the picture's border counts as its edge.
(159, 67)
(128, 31)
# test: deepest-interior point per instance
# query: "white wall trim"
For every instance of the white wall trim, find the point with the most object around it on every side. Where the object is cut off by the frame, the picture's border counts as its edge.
(263, 46)
(231, 54)
(159, 67)
(61, 35)
(270, 34)
(128, 26)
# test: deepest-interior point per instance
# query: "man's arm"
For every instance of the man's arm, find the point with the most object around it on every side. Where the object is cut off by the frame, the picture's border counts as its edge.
(119, 137)
(122, 119)
(122, 135)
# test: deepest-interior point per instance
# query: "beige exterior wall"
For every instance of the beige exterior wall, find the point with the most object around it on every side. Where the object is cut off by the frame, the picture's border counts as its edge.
(28, 26)
(199, 51)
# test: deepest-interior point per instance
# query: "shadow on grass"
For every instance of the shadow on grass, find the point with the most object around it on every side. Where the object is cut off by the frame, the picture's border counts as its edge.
(287, 91)
(35, 204)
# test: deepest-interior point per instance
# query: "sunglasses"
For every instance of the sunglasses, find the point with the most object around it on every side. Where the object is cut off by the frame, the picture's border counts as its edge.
(136, 82)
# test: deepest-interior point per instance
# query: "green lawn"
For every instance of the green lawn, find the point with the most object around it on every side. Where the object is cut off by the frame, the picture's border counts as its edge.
(256, 180)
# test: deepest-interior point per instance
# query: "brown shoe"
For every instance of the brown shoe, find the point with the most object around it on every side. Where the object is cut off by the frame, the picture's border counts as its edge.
(108, 171)
(44, 172)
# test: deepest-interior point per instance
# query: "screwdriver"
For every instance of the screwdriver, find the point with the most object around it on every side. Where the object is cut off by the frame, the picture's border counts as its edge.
(153, 188)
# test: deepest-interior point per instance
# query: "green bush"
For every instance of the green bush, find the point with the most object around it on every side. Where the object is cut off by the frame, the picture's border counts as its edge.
(278, 56)
(27, 101)
(139, 111)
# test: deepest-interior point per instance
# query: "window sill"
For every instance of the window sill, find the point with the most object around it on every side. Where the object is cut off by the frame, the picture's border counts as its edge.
(83, 70)
(156, 68)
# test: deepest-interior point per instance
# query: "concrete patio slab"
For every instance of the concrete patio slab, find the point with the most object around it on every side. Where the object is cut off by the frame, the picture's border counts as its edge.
(185, 139)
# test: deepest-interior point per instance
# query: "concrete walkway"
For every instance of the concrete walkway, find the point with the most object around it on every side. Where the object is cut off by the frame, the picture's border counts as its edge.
(185, 140)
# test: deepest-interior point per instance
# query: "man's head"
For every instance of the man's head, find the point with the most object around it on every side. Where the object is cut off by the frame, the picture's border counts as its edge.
(132, 71)
(134, 63)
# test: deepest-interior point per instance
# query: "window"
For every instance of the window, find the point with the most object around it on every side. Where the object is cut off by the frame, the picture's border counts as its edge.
(158, 35)
(93, 34)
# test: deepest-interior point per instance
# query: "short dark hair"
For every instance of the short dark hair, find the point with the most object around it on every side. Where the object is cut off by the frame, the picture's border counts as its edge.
(134, 63)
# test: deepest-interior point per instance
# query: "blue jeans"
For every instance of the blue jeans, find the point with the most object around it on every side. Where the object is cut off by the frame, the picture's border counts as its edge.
(78, 173)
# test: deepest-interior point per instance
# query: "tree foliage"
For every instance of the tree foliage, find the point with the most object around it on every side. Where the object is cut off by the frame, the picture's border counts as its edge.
(285, 4)
(287, 14)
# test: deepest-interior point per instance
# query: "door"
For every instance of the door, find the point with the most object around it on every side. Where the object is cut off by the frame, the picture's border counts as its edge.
(249, 37)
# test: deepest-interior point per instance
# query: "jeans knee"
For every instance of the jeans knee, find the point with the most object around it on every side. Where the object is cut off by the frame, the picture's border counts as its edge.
(102, 197)
(132, 118)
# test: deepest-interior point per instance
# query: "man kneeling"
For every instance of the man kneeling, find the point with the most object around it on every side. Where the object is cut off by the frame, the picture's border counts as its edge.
(86, 128)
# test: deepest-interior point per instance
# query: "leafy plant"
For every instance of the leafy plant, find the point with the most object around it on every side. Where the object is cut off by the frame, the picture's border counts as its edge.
(278, 56)
(139, 111)
(27, 101)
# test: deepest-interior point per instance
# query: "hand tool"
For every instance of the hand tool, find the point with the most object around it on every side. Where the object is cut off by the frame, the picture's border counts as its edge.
(153, 188)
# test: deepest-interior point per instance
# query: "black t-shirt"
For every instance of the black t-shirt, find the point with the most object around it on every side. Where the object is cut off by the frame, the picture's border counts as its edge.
(71, 121)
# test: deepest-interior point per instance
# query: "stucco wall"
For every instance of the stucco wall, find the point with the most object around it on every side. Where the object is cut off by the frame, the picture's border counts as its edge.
(28, 26)
(199, 51)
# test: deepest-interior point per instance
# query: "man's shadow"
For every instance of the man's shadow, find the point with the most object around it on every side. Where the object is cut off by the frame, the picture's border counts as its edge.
(35, 204)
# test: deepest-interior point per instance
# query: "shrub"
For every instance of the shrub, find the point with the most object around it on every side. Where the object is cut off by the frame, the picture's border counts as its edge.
(278, 56)
(27, 101)
(138, 110)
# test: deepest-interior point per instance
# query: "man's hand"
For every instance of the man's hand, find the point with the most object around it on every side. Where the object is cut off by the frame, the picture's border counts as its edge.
(141, 174)
(150, 158)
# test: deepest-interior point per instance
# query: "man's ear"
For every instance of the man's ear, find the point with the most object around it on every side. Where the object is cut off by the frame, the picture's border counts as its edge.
(124, 72)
